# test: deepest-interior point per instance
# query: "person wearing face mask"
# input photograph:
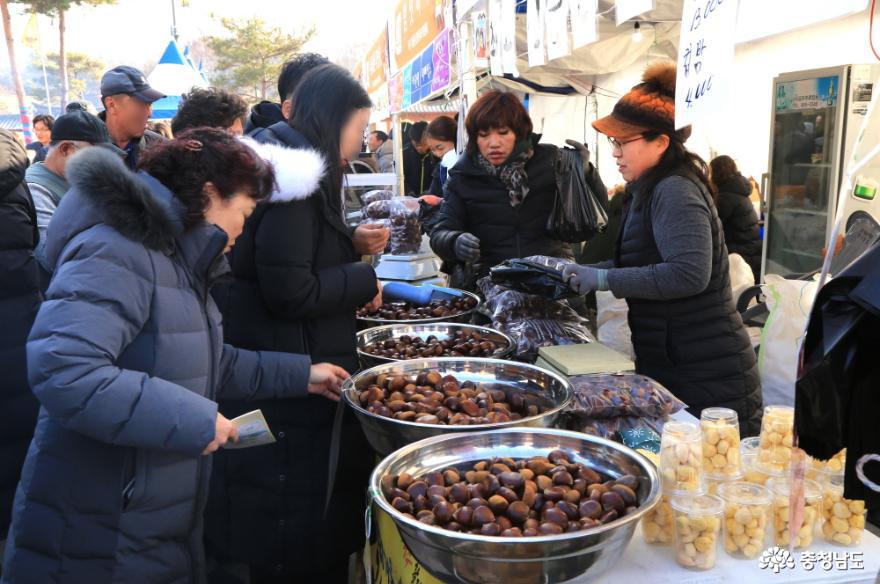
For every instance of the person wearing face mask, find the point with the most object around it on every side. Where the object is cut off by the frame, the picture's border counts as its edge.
(297, 283)
(501, 192)
(671, 260)
(127, 358)
(441, 136)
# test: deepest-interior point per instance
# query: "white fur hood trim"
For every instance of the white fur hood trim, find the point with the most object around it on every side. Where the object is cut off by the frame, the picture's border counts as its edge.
(298, 172)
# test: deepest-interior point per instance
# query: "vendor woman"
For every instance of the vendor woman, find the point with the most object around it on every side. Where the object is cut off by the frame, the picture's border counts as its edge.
(671, 261)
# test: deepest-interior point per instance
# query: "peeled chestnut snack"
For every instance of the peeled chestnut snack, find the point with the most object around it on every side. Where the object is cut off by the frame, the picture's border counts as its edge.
(502, 497)
(429, 398)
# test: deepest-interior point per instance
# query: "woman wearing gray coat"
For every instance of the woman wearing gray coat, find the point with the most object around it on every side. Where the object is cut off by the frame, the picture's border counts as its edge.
(127, 360)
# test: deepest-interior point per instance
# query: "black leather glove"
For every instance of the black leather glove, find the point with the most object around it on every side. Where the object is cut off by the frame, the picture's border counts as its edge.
(467, 248)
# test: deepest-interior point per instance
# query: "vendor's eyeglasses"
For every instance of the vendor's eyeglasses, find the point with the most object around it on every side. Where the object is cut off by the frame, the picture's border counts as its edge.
(617, 145)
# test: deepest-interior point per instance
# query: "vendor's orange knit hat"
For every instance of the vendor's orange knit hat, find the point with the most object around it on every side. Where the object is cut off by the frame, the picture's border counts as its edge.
(649, 106)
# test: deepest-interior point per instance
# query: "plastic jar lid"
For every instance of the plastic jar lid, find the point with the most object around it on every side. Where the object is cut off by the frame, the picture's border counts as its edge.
(725, 415)
(779, 412)
(743, 493)
(750, 446)
(782, 488)
(701, 505)
(681, 431)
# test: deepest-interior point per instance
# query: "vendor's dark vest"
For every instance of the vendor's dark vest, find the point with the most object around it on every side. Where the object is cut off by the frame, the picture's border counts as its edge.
(695, 346)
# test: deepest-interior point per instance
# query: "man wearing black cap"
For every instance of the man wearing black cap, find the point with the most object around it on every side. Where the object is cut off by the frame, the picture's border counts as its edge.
(128, 99)
(47, 180)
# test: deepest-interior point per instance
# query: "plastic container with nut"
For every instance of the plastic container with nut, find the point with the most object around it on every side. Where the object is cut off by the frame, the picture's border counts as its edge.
(843, 520)
(820, 470)
(774, 454)
(681, 458)
(697, 521)
(781, 490)
(657, 523)
(748, 450)
(746, 508)
(720, 428)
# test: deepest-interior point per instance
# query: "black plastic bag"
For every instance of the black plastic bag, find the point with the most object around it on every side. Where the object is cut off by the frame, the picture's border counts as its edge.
(577, 213)
(836, 397)
(538, 275)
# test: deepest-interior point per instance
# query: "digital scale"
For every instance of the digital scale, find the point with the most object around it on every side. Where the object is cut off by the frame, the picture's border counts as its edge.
(419, 268)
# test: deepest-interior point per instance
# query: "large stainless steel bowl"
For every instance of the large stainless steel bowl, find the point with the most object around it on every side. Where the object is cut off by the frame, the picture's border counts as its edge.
(365, 322)
(386, 435)
(441, 330)
(463, 557)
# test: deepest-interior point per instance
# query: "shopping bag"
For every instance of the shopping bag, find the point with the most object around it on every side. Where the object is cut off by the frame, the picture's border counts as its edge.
(577, 214)
(789, 303)
(538, 275)
(612, 320)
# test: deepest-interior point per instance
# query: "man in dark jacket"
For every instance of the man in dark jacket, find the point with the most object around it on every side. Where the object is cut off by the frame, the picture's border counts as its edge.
(266, 113)
(418, 162)
(737, 214)
(19, 301)
(128, 99)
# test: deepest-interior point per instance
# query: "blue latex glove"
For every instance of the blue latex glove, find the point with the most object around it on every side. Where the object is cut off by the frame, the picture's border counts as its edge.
(581, 279)
(467, 247)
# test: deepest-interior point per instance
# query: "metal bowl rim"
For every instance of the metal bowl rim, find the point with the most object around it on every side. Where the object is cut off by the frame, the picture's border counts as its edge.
(349, 391)
(433, 319)
(511, 344)
(653, 496)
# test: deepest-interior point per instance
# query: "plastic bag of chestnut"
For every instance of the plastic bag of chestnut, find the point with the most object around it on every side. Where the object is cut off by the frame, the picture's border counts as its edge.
(401, 214)
(533, 320)
(506, 497)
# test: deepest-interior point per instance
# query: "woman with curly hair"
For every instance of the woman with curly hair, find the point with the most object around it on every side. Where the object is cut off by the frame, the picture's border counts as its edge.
(127, 360)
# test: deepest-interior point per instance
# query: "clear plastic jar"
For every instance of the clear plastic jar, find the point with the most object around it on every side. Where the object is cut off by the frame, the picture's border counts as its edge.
(697, 521)
(746, 507)
(781, 489)
(681, 458)
(843, 519)
(720, 428)
(819, 470)
(748, 450)
(657, 523)
(774, 455)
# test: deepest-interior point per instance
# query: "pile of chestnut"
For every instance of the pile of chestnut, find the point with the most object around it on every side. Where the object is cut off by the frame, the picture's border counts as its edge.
(429, 398)
(459, 344)
(408, 311)
(514, 498)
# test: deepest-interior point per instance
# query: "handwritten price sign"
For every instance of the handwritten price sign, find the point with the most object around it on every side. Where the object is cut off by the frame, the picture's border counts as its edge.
(705, 57)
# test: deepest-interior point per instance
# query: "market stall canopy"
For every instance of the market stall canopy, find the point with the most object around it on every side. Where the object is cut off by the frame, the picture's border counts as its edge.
(616, 49)
(173, 76)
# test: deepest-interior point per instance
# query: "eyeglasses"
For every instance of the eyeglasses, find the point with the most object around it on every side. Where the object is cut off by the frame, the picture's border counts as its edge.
(617, 145)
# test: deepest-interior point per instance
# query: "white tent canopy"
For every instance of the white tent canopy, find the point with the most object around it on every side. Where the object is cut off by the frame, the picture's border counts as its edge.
(173, 76)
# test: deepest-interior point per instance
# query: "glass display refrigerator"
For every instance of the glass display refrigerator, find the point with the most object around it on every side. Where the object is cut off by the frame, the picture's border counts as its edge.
(816, 117)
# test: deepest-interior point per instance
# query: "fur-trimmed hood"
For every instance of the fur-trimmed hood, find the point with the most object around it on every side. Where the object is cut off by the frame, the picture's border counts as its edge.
(298, 171)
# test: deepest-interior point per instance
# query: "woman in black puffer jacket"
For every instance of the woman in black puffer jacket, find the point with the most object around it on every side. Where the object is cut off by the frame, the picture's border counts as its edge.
(738, 216)
(19, 302)
(501, 192)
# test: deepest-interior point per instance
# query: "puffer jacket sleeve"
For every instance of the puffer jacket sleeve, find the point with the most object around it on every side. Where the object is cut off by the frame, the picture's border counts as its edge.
(250, 375)
(97, 304)
(451, 222)
(290, 286)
